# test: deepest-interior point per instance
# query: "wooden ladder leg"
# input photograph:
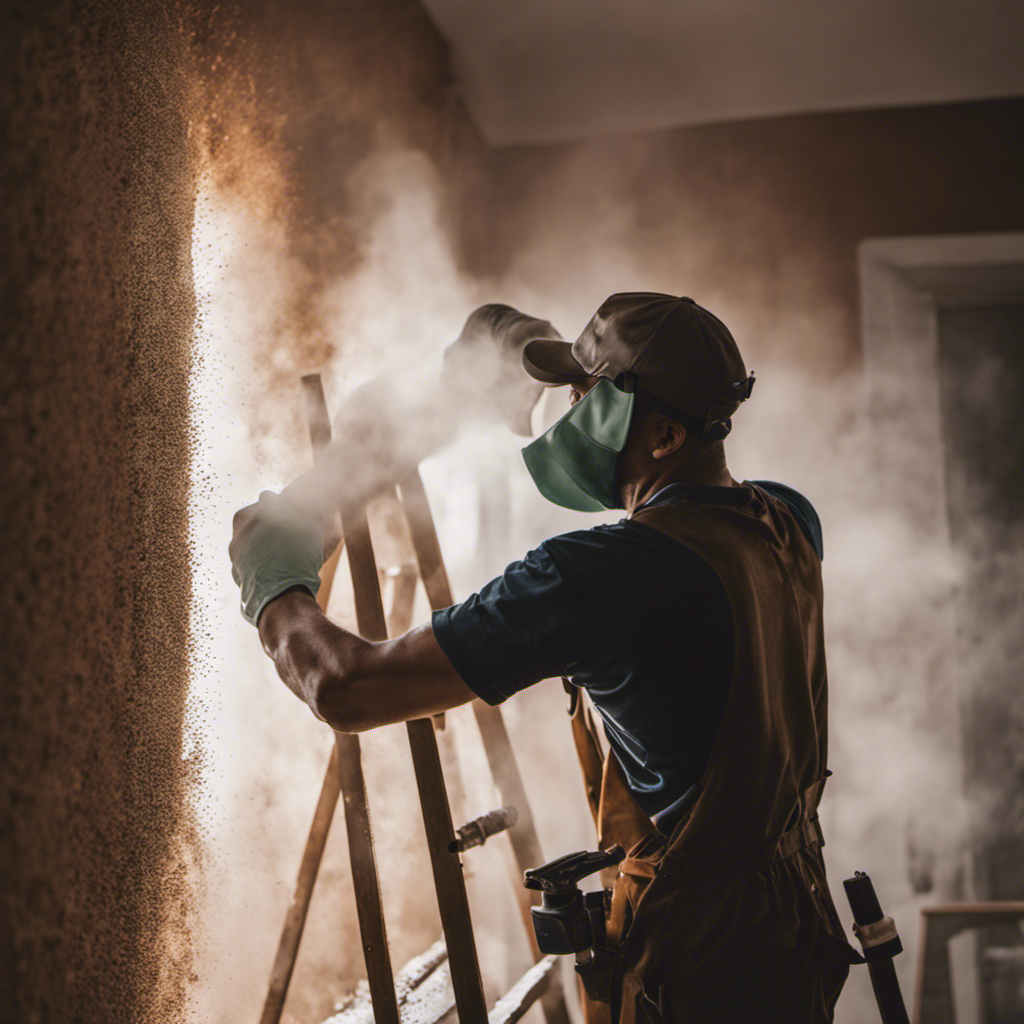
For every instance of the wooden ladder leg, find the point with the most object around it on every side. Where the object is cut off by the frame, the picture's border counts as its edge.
(365, 881)
(497, 745)
(295, 918)
(448, 880)
(344, 776)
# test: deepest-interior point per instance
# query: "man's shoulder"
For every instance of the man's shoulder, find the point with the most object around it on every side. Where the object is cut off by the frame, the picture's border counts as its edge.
(595, 539)
(801, 508)
(583, 544)
(624, 549)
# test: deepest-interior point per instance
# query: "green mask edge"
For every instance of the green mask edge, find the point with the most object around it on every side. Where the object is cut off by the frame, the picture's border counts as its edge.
(573, 462)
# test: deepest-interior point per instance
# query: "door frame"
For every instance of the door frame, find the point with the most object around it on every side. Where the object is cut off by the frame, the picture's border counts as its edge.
(903, 283)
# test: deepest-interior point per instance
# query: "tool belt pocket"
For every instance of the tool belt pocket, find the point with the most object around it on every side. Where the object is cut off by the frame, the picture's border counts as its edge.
(636, 871)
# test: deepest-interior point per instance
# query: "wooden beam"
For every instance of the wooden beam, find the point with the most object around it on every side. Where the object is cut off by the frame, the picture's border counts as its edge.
(349, 767)
(448, 881)
(491, 723)
(295, 917)
(933, 1002)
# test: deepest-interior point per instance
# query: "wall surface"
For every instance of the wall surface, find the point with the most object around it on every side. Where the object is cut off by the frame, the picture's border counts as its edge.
(760, 220)
(981, 359)
(119, 115)
(99, 178)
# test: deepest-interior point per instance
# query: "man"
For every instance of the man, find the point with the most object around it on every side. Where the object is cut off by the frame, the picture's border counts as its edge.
(695, 627)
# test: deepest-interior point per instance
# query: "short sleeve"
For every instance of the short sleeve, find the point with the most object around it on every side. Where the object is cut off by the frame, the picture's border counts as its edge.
(530, 623)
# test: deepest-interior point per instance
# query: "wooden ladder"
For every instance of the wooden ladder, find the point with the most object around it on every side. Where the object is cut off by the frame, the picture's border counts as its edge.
(387, 1003)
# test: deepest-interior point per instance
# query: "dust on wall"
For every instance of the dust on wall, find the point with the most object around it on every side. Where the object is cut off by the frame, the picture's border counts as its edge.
(312, 123)
(98, 313)
(116, 111)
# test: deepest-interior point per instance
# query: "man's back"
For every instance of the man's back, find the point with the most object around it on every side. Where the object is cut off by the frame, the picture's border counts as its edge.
(638, 619)
(741, 881)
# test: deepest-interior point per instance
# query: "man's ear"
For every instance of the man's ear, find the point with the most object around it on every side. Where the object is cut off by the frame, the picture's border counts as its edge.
(669, 439)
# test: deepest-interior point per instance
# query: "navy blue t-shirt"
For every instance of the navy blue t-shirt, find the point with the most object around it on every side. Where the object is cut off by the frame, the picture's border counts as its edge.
(638, 619)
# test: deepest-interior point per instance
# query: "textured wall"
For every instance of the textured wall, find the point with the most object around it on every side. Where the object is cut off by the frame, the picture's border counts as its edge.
(116, 112)
(97, 312)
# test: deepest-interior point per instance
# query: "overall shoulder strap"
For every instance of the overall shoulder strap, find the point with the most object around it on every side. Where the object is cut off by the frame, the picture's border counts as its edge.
(618, 818)
(588, 746)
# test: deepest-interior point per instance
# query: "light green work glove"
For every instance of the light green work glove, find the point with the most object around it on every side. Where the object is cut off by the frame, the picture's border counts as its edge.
(275, 546)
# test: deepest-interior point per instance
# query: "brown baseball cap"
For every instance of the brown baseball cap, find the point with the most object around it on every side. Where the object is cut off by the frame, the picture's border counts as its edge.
(671, 349)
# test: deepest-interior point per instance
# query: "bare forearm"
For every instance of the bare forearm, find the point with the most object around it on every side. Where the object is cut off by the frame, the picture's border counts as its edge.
(312, 655)
(351, 683)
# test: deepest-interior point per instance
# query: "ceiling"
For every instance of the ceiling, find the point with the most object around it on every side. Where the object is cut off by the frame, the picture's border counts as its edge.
(552, 70)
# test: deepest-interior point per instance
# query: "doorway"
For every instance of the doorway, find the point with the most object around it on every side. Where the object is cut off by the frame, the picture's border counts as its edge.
(943, 326)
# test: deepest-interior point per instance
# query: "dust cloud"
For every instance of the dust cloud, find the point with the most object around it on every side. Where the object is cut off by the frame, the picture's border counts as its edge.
(401, 390)
(895, 806)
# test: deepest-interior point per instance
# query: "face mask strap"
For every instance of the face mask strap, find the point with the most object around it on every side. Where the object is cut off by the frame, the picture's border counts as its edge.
(692, 423)
(714, 427)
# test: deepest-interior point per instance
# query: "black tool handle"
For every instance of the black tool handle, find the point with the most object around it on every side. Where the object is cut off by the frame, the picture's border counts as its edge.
(863, 900)
(887, 992)
(563, 873)
(867, 911)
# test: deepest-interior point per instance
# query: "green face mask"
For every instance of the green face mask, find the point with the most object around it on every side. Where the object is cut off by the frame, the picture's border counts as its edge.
(573, 463)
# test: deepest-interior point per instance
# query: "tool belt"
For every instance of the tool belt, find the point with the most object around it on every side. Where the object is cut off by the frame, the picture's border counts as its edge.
(650, 853)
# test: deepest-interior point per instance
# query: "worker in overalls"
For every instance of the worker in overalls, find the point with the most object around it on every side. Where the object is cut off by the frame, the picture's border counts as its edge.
(694, 626)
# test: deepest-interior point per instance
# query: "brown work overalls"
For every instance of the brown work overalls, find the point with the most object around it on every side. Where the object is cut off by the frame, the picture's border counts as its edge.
(729, 919)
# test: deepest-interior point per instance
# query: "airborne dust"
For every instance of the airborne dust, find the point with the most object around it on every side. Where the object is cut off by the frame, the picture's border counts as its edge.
(894, 806)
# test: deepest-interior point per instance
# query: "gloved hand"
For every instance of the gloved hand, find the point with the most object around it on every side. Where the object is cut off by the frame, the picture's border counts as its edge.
(275, 546)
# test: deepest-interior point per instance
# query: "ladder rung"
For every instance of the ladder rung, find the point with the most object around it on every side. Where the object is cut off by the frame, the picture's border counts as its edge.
(524, 993)
(479, 830)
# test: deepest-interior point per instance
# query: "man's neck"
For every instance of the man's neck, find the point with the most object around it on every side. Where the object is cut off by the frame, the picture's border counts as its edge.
(637, 493)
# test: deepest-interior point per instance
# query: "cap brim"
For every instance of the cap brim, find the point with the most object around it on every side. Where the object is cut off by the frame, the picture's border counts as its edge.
(552, 362)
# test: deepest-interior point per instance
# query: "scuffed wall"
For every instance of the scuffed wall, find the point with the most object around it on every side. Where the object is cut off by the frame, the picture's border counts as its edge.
(99, 182)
